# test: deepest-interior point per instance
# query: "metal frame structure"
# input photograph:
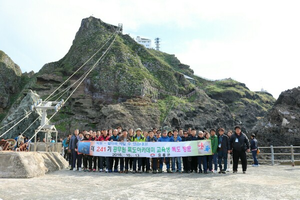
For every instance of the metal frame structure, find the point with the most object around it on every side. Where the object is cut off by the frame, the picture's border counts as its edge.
(45, 127)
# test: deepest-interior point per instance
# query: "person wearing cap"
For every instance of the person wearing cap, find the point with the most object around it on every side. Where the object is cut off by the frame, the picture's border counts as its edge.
(254, 147)
(138, 137)
(223, 149)
(239, 144)
(164, 138)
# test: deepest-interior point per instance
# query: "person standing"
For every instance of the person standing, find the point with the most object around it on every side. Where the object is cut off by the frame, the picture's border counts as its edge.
(193, 159)
(176, 138)
(114, 161)
(103, 161)
(229, 156)
(138, 137)
(124, 138)
(186, 161)
(202, 159)
(239, 144)
(223, 149)
(214, 149)
(254, 148)
(164, 138)
(129, 138)
(73, 148)
(151, 138)
(66, 147)
(86, 158)
(93, 158)
(79, 155)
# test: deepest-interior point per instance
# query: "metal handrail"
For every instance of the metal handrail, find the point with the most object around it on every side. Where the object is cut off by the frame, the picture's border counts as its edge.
(273, 154)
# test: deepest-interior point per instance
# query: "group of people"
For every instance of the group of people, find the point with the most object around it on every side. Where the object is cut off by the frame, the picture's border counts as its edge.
(223, 146)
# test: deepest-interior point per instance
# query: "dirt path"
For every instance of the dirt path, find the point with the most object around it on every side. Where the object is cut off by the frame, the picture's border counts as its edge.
(264, 182)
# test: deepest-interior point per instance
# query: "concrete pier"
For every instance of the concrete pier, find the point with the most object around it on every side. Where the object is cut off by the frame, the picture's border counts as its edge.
(29, 164)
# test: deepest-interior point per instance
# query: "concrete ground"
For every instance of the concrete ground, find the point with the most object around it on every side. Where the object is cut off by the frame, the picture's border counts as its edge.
(264, 182)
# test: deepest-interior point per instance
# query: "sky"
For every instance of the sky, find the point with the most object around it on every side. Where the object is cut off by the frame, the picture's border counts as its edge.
(254, 42)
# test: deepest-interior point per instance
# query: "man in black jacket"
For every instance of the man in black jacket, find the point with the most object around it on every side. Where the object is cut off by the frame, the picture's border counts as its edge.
(223, 148)
(239, 144)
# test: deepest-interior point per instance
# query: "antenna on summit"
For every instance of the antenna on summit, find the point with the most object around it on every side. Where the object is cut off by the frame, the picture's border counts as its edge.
(157, 43)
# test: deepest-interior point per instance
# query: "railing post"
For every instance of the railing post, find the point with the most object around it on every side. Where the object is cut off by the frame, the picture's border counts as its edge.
(35, 144)
(272, 154)
(292, 155)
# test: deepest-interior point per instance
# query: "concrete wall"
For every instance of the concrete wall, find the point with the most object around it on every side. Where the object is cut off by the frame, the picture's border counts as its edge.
(29, 164)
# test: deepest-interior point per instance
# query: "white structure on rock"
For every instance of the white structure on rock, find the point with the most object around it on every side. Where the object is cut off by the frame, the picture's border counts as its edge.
(143, 41)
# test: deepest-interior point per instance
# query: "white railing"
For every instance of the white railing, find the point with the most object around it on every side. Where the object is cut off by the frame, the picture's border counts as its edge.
(270, 151)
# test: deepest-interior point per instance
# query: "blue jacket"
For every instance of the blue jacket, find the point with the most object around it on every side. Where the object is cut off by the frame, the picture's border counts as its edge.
(178, 139)
(164, 139)
(65, 143)
(114, 138)
(151, 139)
(73, 141)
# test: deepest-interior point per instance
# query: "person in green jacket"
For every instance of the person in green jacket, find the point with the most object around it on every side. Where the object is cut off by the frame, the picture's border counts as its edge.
(138, 137)
(214, 148)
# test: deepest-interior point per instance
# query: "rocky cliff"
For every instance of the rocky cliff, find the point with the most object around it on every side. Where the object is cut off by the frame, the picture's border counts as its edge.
(138, 87)
(10, 80)
(281, 125)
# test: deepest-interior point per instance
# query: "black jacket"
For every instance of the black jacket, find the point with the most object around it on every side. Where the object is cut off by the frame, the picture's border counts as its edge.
(193, 138)
(223, 141)
(239, 143)
(253, 144)
(186, 139)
